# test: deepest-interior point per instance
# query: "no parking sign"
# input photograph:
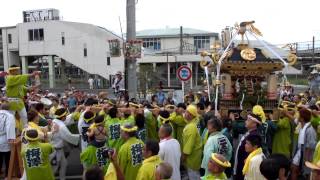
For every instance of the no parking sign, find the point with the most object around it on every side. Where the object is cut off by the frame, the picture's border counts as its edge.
(184, 73)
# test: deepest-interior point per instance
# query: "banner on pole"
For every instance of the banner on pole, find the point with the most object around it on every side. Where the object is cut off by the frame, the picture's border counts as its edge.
(133, 49)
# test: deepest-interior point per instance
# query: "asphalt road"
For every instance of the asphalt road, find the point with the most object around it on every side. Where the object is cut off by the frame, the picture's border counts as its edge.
(74, 169)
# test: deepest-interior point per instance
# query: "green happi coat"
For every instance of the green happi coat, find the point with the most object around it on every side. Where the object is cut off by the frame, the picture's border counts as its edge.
(130, 157)
(282, 138)
(94, 156)
(36, 161)
(151, 126)
(178, 123)
(221, 176)
(113, 127)
(148, 168)
(316, 154)
(192, 146)
(16, 88)
(315, 122)
(129, 120)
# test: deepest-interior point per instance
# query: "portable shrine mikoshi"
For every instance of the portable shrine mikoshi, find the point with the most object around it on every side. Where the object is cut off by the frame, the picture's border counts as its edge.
(245, 70)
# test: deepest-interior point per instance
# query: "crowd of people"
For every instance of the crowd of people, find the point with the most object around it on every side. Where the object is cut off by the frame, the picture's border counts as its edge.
(158, 139)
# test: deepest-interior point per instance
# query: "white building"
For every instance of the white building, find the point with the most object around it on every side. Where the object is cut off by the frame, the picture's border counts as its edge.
(167, 49)
(43, 35)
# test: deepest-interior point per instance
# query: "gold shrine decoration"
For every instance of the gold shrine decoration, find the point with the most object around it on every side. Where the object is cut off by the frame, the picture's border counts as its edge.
(250, 67)
(208, 63)
(248, 54)
(292, 48)
(215, 57)
(292, 59)
(204, 63)
(247, 25)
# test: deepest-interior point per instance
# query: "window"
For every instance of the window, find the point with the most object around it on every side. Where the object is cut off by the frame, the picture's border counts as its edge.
(152, 43)
(202, 42)
(85, 50)
(30, 34)
(62, 39)
(108, 61)
(36, 34)
(41, 34)
(27, 18)
(9, 38)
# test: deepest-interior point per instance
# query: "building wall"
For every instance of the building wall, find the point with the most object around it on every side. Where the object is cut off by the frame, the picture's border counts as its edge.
(172, 59)
(15, 39)
(77, 36)
(169, 43)
(9, 50)
(14, 58)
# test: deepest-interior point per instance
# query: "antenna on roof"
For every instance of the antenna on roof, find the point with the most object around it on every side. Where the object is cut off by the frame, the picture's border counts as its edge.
(121, 29)
(123, 41)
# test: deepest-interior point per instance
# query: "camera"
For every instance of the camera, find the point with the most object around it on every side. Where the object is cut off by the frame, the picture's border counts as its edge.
(106, 152)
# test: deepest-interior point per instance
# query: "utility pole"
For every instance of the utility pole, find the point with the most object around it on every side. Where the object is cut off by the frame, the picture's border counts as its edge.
(130, 64)
(181, 40)
(168, 69)
(313, 39)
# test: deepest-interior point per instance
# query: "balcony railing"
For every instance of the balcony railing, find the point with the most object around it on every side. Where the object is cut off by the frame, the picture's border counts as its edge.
(187, 49)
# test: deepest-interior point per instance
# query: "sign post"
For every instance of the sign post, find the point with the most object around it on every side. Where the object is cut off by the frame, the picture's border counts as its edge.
(182, 87)
(184, 73)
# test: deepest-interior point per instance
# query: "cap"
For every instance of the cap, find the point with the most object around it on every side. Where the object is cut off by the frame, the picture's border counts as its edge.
(192, 109)
(258, 110)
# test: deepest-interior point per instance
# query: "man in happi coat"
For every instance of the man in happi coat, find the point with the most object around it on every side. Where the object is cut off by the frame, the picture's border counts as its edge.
(130, 155)
(36, 157)
(16, 90)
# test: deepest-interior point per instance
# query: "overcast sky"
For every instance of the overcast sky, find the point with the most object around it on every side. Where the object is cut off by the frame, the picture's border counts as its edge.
(280, 21)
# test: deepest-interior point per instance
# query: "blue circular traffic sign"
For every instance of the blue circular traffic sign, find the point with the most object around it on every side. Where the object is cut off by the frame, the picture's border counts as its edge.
(184, 73)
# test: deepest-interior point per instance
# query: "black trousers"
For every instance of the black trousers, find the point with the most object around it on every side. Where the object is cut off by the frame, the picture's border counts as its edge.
(5, 157)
